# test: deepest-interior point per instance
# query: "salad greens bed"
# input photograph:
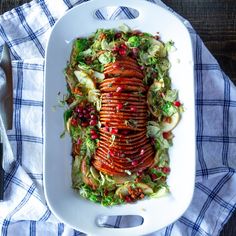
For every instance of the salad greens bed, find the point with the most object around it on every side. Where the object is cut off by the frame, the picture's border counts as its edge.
(83, 73)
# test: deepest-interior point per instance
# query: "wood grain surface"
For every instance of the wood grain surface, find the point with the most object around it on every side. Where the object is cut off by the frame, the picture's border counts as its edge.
(215, 22)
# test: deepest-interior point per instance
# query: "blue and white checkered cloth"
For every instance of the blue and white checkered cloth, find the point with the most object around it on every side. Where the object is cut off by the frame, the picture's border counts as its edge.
(24, 211)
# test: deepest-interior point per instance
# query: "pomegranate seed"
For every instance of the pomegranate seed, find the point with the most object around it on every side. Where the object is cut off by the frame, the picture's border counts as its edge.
(165, 169)
(80, 109)
(84, 124)
(87, 116)
(94, 136)
(123, 46)
(166, 135)
(116, 66)
(114, 131)
(93, 122)
(119, 106)
(106, 129)
(142, 67)
(116, 49)
(81, 115)
(153, 176)
(92, 131)
(125, 132)
(92, 110)
(112, 153)
(93, 117)
(119, 89)
(133, 108)
(141, 151)
(134, 163)
(74, 122)
(122, 51)
(109, 95)
(85, 111)
(128, 199)
(118, 35)
(177, 103)
(79, 141)
(139, 173)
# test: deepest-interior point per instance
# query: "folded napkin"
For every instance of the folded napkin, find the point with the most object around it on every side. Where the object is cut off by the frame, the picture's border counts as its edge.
(24, 211)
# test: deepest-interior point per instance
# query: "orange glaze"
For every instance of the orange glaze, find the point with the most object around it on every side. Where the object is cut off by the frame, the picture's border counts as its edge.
(123, 146)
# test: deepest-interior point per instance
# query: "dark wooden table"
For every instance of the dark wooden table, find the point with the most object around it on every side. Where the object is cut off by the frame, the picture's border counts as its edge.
(215, 22)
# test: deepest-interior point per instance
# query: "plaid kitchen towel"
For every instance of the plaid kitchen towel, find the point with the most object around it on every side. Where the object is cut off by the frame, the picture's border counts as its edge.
(24, 211)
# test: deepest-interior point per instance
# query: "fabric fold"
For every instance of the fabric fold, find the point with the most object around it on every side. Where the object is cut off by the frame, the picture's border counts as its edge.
(26, 30)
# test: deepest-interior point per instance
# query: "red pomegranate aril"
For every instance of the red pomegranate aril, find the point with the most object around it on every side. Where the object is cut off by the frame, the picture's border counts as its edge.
(92, 111)
(93, 122)
(134, 163)
(139, 173)
(110, 95)
(87, 116)
(125, 132)
(119, 89)
(92, 131)
(141, 151)
(116, 66)
(114, 131)
(165, 169)
(128, 199)
(106, 129)
(80, 109)
(177, 103)
(116, 49)
(74, 122)
(81, 115)
(119, 106)
(122, 51)
(85, 111)
(93, 117)
(84, 124)
(94, 136)
(112, 153)
(79, 141)
(153, 176)
(118, 35)
(166, 135)
(133, 108)
(123, 46)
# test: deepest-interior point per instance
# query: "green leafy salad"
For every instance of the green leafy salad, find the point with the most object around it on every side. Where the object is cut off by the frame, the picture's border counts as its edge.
(95, 82)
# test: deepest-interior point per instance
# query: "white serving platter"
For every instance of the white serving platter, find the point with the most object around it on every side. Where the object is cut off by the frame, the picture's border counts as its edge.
(67, 205)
